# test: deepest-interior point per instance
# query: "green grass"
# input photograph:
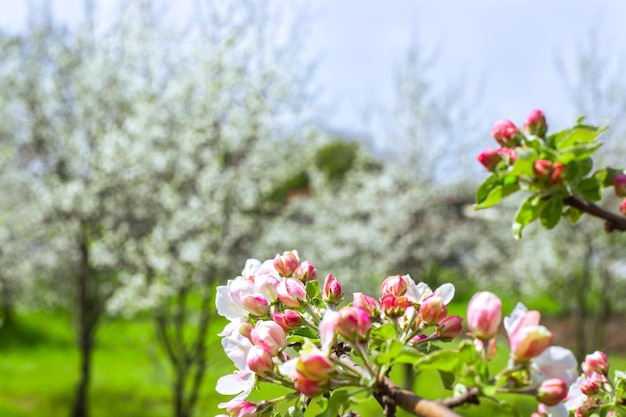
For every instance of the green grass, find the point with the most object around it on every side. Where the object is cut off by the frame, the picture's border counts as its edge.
(130, 377)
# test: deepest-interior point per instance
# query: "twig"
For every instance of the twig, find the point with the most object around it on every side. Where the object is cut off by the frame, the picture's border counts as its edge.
(390, 396)
(612, 220)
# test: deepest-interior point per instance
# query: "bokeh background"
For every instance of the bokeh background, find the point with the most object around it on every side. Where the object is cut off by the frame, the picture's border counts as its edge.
(148, 148)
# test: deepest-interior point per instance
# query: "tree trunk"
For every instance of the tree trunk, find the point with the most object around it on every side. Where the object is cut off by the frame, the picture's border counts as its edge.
(88, 314)
(6, 303)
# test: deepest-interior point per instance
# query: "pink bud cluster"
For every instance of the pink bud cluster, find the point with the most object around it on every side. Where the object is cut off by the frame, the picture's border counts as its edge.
(511, 139)
(268, 340)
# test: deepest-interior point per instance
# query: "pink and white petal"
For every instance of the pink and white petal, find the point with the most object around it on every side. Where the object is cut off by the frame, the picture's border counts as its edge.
(288, 368)
(555, 362)
(511, 321)
(237, 347)
(226, 306)
(575, 397)
(327, 329)
(446, 292)
(240, 383)
(558, 410)
(251, 268)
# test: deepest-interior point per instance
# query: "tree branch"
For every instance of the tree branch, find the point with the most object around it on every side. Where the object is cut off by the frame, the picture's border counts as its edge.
(612, 220)
(390, 396)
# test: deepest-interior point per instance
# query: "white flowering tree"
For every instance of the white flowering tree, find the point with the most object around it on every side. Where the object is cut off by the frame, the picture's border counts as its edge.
(151, 162)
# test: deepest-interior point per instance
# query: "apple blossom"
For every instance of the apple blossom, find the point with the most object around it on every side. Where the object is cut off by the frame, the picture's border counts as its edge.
(331, 291)
(305, 271)
(394, 284)
(366, 303)
(619, 185)
(286, 263)
(536, 123)
(506, 133)
(288, 319)
(449, 328)
(484, 313)
(393, 305)
(291, 292)
(552, 391)
(596, 362)
(432, 310)
(353, 324)
(259, 360)
(270, 336)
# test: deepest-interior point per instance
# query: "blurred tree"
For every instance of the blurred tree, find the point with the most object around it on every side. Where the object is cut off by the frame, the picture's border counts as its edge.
(150, 152)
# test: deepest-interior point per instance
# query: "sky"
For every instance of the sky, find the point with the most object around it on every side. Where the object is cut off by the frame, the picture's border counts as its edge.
(502, 53)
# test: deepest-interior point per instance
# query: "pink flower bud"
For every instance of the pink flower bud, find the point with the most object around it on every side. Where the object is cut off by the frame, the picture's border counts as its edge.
(619, 184)
(542, 168)
(308, 387)
(286, 264)
(548, 171)
(255, 304)
(589, 387)
(353, 324)
(393, 305)
(484, 313)
(449, 328)
(419, 338)
(288, 319)
(315, 366)
(259, 360)
(241, 408)
(622, 207)
(536, 123)
(489, 158)
(366, 303)
(331, 292)
(506, 133)
(270, 336)
(291, 292)
(245, 329)
(528, 342)
(552, 391)
(432, 310)
(394, 284)
(305, 271)
(596, 362)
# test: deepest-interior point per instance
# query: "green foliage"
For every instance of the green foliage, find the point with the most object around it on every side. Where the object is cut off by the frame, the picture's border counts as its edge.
(336, 159)
(295, 183)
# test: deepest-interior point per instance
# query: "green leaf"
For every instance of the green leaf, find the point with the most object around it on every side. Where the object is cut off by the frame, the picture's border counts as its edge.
(408, 355)
(585, 166)
(573, 214)
(578, 152)
(590, 188)
(552, 211)
(306, 332)
(312, 289)
(577, 135)
(527, 213)
(339, 400)
(496, 192)
(385, 332)
(442, 360)
(447, 379)
(393, 349)
(523, 163)
(605, 176)
(485, 189)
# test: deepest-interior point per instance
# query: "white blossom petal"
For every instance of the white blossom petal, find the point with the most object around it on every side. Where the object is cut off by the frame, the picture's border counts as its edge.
(555, 362)
(446, 292)
(575, 397)
(240, 383)
(226, 306)
(236, 347)
(558, 410)
(511, 321)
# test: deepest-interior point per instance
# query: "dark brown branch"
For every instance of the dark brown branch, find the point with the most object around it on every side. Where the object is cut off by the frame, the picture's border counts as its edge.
(612, 221)
(416, 405)
(390, 396)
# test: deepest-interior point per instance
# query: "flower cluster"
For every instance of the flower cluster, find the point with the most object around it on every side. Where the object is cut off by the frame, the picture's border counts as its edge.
(288, 330)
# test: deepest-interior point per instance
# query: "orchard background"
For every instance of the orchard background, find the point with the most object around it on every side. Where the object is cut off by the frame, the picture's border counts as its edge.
(141, 164)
